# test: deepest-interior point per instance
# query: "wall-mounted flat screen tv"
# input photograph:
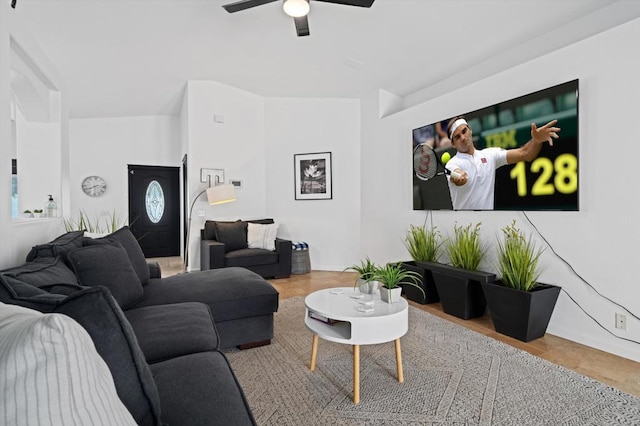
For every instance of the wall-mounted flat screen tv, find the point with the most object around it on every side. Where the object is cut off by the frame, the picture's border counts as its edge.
(549, 182)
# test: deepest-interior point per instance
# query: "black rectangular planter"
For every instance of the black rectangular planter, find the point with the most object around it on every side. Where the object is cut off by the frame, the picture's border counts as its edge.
(521, 314)
(427, 284)
(459, 289)
(460, 296)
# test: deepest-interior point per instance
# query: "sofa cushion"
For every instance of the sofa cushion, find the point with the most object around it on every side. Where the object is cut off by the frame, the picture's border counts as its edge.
(107, 265)
(96, 310)
(232, 235)
(209, 231)
(58, 247)
(189, 396)
(125, 237)
(169, 331)
(262, 236)
(251, 257)
(43, 271)
(49, 369)
(238, 293)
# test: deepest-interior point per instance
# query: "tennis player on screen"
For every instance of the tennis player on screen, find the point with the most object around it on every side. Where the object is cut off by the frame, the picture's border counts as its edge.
(473, 188)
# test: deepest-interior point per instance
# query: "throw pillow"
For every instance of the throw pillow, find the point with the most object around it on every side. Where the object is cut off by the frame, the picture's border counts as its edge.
(232, 234)
(262, 236)
(43, 271)
(107, 265)
(96, 310)
(209, 232)
(17, 292)
(58, 247)
(50, 370)
(125, 237)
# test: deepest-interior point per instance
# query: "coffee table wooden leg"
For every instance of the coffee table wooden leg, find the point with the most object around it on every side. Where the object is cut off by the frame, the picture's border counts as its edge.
(314, 352)
(399, 361)
(356, 374)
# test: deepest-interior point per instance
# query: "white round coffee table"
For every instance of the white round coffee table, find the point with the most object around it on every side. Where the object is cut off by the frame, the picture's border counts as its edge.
(333, 314)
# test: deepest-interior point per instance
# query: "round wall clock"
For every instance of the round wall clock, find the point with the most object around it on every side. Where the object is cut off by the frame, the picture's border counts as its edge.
(94, 186)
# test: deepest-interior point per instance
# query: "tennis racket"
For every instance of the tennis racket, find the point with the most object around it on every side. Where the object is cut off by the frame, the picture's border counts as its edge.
(427, 165)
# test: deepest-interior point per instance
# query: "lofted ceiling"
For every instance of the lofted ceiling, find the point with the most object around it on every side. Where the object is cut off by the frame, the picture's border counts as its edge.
(133, 57)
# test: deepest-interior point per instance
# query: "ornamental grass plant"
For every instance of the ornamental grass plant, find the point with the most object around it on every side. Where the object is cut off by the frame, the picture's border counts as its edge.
(518, 259)
(423, 244)
(110, 223)
(465, 249)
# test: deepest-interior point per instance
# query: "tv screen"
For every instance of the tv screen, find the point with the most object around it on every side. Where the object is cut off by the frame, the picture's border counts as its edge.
(549, 182)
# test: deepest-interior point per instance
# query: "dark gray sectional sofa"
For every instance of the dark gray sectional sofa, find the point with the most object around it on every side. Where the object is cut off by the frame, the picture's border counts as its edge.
(160, 337)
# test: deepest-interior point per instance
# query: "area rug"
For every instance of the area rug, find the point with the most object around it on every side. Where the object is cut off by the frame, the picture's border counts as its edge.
(452, 376)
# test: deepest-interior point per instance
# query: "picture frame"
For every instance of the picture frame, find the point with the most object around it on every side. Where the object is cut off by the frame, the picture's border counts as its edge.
(313, 176)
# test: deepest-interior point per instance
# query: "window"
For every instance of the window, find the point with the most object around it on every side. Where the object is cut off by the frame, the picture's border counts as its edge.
(154, 201)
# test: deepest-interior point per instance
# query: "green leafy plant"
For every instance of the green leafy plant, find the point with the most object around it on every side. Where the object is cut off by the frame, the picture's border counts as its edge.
(37, 210)
(423, 244)
(366, 270)
(27, 211)
(465, 249)
(392, 275)
(518, 259)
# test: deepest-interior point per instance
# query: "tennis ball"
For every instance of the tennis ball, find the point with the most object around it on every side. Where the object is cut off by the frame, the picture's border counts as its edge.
(445, 157)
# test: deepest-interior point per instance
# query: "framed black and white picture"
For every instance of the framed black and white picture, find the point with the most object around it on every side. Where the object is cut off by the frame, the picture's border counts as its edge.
(313, 176)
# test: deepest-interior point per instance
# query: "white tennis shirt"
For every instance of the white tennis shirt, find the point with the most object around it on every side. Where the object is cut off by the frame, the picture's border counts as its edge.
(478, 192)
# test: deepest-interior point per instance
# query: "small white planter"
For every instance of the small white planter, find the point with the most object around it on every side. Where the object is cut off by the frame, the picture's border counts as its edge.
(390, 295)
(368, 287)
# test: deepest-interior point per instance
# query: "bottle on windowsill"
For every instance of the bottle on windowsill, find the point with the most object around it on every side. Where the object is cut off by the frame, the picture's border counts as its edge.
(52, 208)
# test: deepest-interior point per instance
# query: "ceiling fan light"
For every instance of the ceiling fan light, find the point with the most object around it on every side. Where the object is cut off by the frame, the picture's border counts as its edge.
(296, 8)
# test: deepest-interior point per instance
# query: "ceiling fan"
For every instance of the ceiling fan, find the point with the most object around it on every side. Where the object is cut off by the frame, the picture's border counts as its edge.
(297, 9)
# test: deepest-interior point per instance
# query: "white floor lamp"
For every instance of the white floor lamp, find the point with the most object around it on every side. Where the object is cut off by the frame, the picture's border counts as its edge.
(218, 193)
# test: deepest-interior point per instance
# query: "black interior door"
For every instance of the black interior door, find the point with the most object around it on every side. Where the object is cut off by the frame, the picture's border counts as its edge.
(154, 209)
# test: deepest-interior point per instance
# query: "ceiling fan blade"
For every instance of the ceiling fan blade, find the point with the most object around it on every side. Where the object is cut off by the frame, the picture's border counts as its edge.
(360, 3)
(244, 4)
(302, 26)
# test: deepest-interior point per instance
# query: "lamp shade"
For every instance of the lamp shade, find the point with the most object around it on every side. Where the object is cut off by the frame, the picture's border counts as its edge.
(221, 194)
(296, 8)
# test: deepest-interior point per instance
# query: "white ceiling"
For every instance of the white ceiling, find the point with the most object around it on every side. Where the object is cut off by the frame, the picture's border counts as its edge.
(133, 57)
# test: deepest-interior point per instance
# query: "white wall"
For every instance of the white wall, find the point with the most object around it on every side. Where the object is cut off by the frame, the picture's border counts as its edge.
(299, 126)
(600, 241)
(19, 236)
(235, 143)
(39, 159)
(106, 146)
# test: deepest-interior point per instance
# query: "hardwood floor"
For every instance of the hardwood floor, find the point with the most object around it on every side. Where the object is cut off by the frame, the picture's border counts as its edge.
(615, 371)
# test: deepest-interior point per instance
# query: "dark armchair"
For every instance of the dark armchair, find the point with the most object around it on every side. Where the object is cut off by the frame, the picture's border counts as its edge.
(226, 244)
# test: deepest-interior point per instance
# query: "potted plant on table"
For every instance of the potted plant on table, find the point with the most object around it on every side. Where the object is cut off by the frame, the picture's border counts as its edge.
(459, 285)
(519, 305)
(365, 278)
(424, 245)
(391, 277)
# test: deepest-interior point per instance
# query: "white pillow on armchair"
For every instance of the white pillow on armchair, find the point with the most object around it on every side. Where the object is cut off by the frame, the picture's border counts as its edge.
(262, 236)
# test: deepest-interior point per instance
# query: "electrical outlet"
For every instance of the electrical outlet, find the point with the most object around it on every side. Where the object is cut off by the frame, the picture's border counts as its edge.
(200, 213)
(621, 321)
